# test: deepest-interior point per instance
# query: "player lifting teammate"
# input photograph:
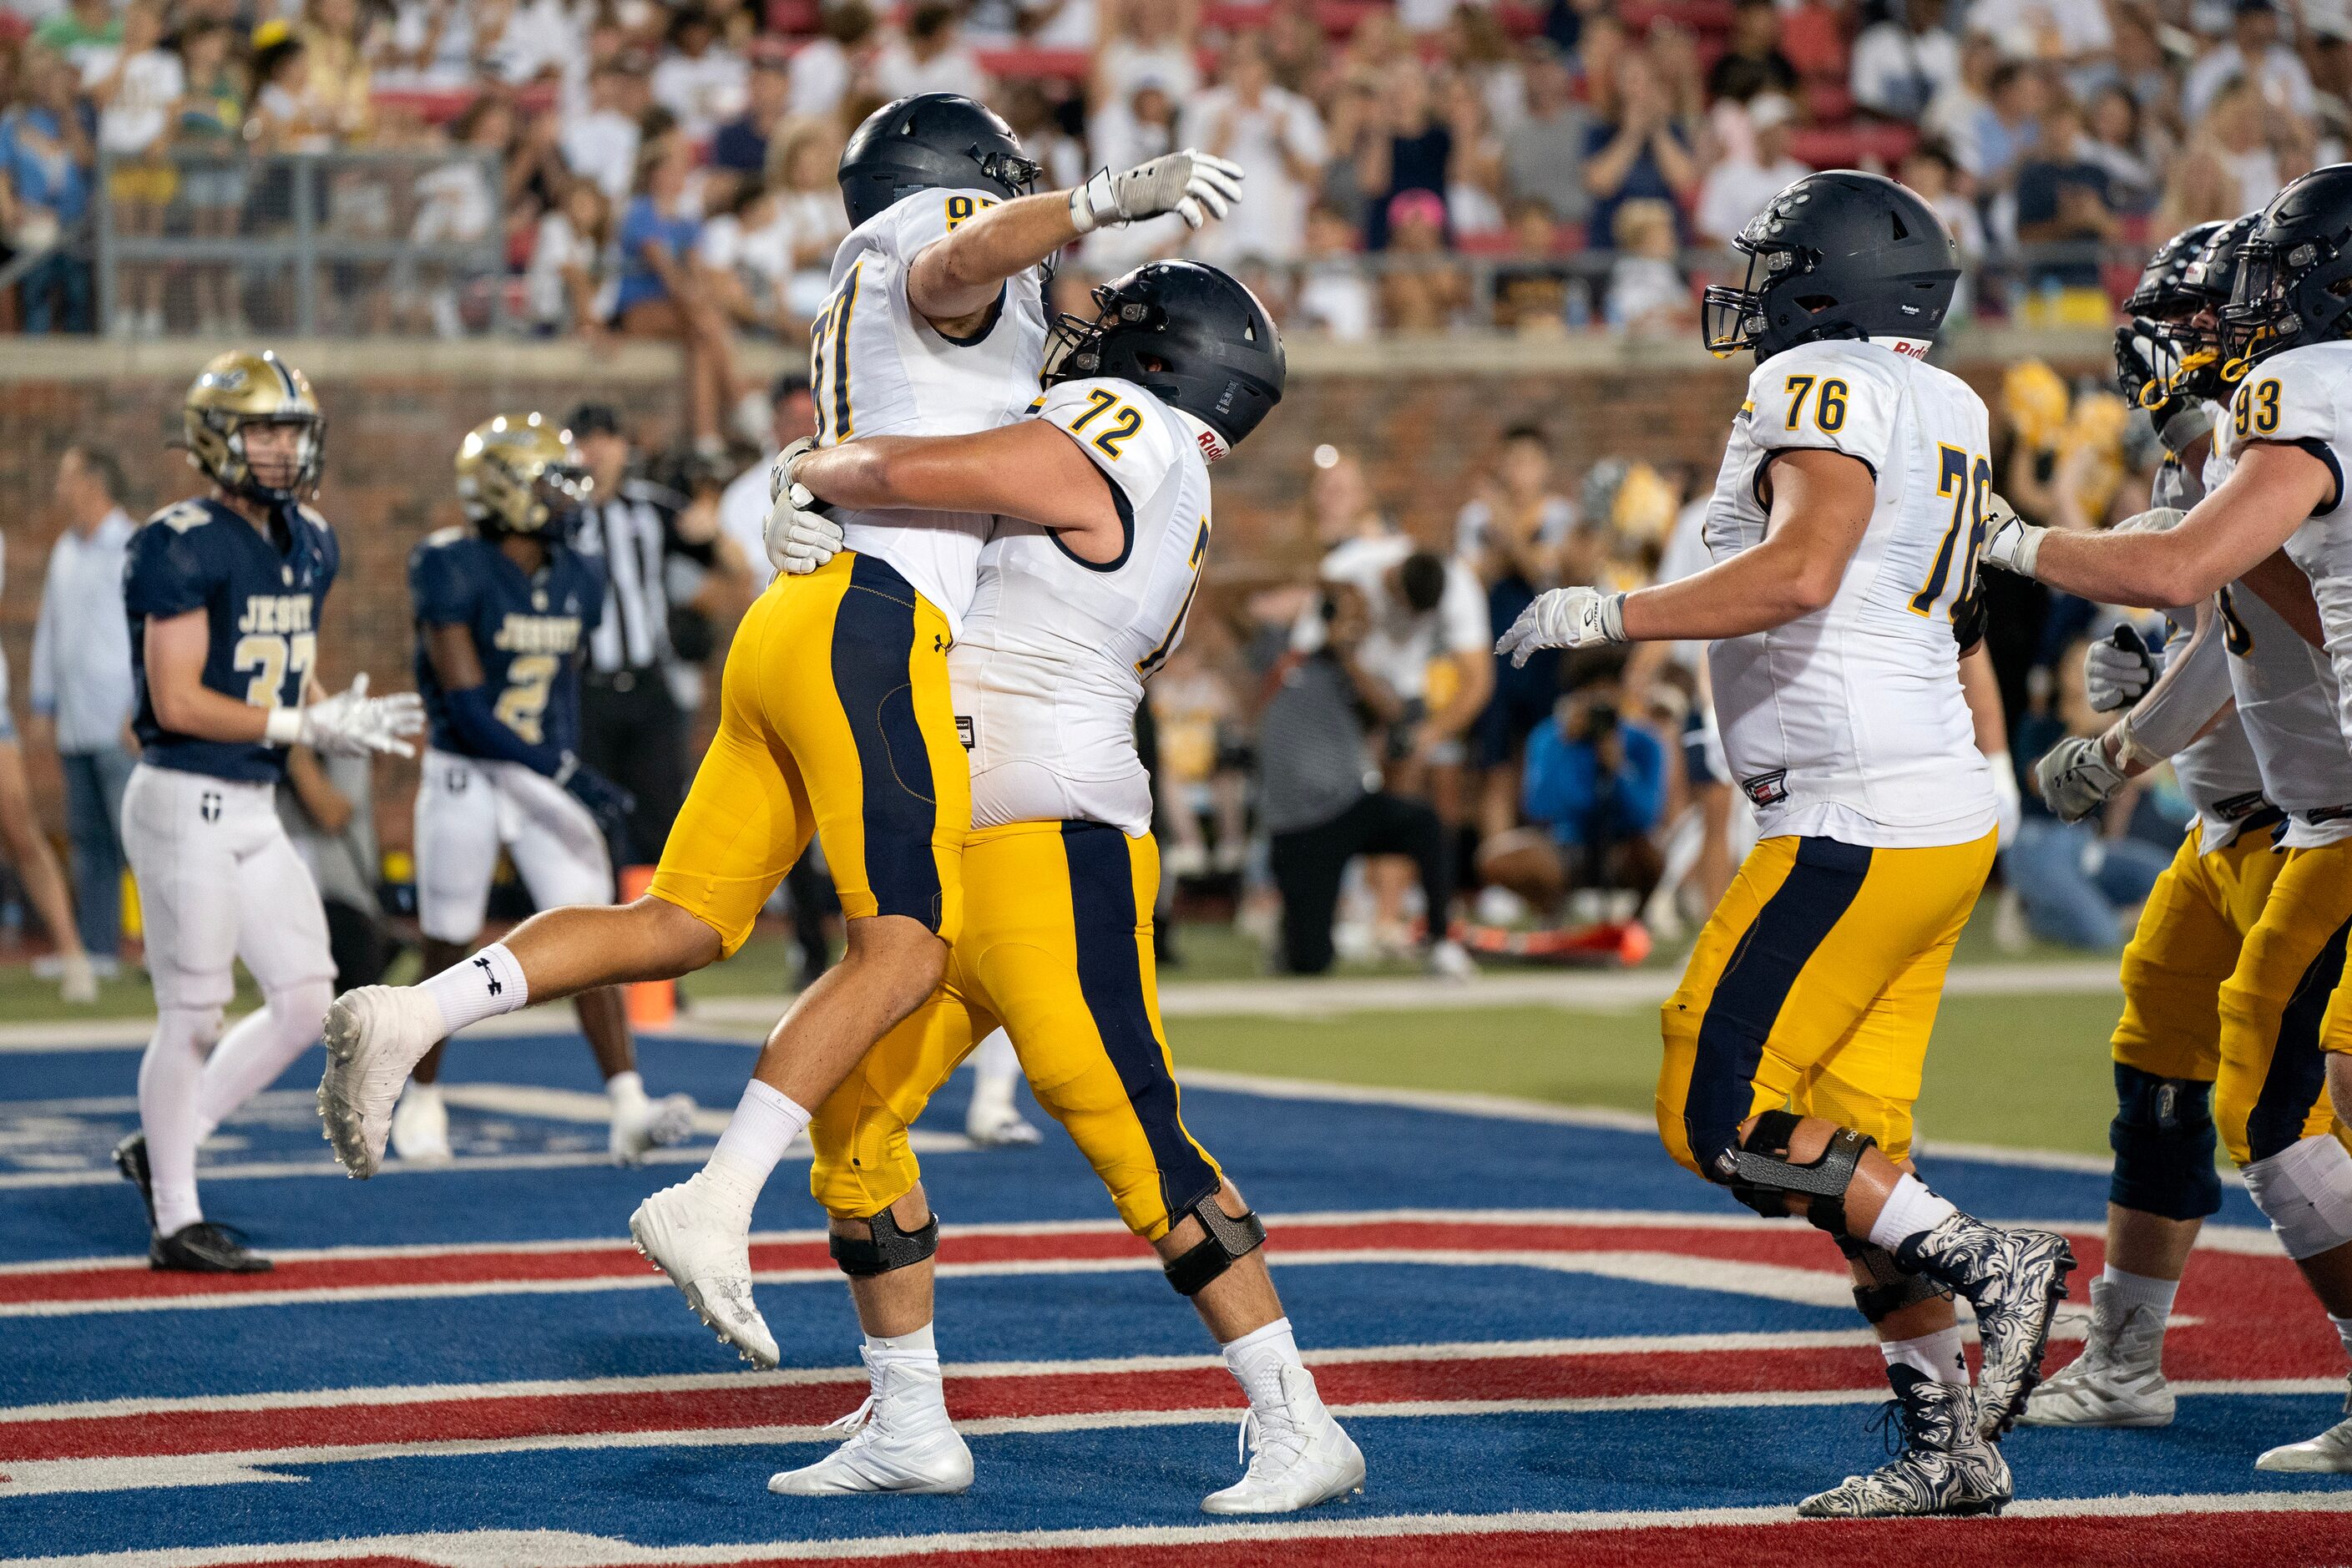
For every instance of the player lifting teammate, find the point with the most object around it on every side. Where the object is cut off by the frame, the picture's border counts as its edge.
(834, 716)
(1844, 527)
(223, 591)
(1103, 500)
(502, 607)
(2273, 526)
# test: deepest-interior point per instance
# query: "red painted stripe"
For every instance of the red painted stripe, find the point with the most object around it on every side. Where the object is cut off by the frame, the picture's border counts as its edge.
(1063, 1394)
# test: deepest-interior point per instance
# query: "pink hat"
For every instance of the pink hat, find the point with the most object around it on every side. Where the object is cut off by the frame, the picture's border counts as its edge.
(1406, 206)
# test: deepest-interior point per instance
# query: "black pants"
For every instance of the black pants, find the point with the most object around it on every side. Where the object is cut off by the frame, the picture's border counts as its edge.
(632, 733)
(1310, 862)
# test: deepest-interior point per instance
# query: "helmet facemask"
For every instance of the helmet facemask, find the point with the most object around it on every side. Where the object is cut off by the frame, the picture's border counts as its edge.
(238, 474)
(1734, 318)
(1074, 346)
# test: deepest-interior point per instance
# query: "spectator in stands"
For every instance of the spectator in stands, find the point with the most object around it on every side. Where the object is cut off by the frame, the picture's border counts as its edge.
(28, 848)
(1034, 118)
(1474, 185)
(1648, 295)
(46, 169)
(1673, 49)
(2113, 140)
(2064, 199)
(2066, 34)
(1422, 288)
(740, 146)
(2253, 53)
(1277, 137)
(744, 505)
(1148, 40)
(1635, 152)
(208, 143)
(137, 86)
(1751, 61)
(570, 287)
(931, 57)
(1755, 165)
(746, 256)
(1121, 134)
(81, 687)
(1317, 793)
(1903, 60)
(2002, 132)
(700, 80)
(1334, 295)
(1478, 53)
(83, 31)
(2233, 162)
(1411, 148)
(1595, 786)
(600, 143)
(285, 114)
(808, 198)
(659, 296)
(339, 92)
(456, 204)
(1929, 170)
(429, 45)
(1531, 287)
(1543, 152)
(824, 67)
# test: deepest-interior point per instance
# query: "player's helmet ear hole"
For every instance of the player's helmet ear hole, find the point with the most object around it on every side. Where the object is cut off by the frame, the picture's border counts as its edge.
(1815, 302)
(1900, 232)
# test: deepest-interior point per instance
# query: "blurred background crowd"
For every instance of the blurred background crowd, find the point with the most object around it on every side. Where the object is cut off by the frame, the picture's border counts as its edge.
(1345, 770)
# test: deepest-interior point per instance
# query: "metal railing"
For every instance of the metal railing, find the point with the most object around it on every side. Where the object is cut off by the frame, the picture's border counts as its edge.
(315, 244)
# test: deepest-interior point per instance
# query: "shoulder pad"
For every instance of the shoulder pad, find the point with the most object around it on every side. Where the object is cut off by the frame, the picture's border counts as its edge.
(441, 538)
(312, 516)
(181, 516)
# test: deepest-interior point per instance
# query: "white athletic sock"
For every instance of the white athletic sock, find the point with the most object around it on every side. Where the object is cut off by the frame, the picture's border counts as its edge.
(251, 1055)
(483, 986)
(2132, 1291)
(2343, 1330)
(1910, 1209)
(1936, 1356)
(627, 1091)
(1257, 1358)
(917, 1345)
(168, 1076)
(764, 1124)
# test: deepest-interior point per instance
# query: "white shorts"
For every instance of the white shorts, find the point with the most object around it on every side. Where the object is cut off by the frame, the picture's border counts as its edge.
(219, 880)
(466, 810)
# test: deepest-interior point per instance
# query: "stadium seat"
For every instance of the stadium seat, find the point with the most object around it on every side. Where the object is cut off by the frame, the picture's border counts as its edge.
(1852, 145)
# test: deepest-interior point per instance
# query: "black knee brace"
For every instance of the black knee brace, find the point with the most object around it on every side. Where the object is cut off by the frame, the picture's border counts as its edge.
(1759, 1174)
(1230, 1237)
(2163, 1138)
(889, 1248)
(1892, 1287)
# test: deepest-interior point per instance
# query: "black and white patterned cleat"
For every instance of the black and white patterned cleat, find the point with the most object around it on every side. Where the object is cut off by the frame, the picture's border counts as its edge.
(130, 1158)
(1942, 1466)
(2014, 1279)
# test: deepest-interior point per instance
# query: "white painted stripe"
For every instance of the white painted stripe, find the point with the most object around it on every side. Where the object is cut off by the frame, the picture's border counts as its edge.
(570, 1549)
(43, 1476)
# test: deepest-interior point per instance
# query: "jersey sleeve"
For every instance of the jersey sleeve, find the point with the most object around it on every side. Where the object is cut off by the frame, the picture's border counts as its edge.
(926, 217)
(438, 587)
(167, 571)
(1825, 397)
(2292, 399)
(1129, 434)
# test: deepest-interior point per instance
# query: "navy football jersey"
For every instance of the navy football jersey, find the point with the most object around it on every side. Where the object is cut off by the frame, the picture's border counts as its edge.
(529, 630)
(261, 598)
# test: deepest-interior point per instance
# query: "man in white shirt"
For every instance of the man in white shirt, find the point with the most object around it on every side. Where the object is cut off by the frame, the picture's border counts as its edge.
(700, 80)
(930, 57)
(2058, 32)
(1899, 65)
(601, 146)
(2253, 51)
(1755, 165)
(1273, 133)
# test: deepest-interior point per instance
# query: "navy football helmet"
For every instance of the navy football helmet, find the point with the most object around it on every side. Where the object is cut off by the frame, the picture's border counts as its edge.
(1191, 335)
(1836, 254)
(930, 141)
(2295, 272)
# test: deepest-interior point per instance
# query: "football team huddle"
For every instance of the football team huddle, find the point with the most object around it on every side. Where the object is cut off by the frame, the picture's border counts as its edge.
(995, 538)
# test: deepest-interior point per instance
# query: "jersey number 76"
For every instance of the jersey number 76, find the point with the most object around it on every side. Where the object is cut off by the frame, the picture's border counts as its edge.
(1965, 477)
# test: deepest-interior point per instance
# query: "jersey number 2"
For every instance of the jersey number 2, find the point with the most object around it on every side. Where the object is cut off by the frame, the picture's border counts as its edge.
(1966, 481)
(525, 699)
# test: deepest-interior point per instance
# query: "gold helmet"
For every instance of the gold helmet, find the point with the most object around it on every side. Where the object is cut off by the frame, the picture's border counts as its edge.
(519, 474)
(238, 389)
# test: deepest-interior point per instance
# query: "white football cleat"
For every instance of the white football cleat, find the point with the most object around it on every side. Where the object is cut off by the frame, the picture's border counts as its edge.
(1298, 1455)
(990, 1119)
(650, 1124)
(686, 1233)
(1449, 960)
(420, 1124)
(901, 1441)
(374, 1036)
(76, 980)
(2117, 1381)
(2329, 1454)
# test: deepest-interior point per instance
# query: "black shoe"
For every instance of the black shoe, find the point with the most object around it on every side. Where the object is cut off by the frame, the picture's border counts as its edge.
(130, 1158)
(205, 1247)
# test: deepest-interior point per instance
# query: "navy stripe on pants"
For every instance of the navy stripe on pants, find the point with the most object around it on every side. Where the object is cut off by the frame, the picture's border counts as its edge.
(873, 642)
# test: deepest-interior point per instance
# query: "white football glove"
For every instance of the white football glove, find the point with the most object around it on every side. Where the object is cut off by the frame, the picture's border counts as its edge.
(351, 723)
(2075, 778)
(798, 537)
(2014, 541)
(1193, 185)
(1565, 617)
(2118, 670)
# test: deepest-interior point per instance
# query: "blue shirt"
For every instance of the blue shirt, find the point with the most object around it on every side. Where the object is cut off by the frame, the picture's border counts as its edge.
(639, 283)
(1565, 791)
(260, 598)
(48, 177)
(528, 631)
(739, 145)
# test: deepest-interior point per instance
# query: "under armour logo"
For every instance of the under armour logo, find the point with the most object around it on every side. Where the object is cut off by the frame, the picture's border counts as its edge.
(938, 643)
(208, 805)
(456, 781)
(489, 975)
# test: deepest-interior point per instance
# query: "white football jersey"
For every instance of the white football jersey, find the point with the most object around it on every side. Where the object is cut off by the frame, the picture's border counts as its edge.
(2288, 692)
(877, 368)
(1848, 722)
(1054, 657)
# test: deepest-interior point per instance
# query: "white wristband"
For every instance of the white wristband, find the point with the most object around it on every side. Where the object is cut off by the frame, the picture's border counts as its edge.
(283, 727)
(1613, 617)
(2129, 752)
(1088, 201)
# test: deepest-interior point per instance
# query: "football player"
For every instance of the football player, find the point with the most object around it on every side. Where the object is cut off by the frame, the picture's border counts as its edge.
(834, 718)
(2272, 526)
(2270, 755)
(223, 591)
(1844, 528)
(1103, 499)
(501, 610)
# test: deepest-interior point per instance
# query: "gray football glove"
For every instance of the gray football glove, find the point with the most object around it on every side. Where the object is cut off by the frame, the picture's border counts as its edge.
(1193, 185)
(2118, 670)
(2075, 777)
(800, 537)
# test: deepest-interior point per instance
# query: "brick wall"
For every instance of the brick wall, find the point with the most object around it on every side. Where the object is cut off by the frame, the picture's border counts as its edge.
(1423, 432)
